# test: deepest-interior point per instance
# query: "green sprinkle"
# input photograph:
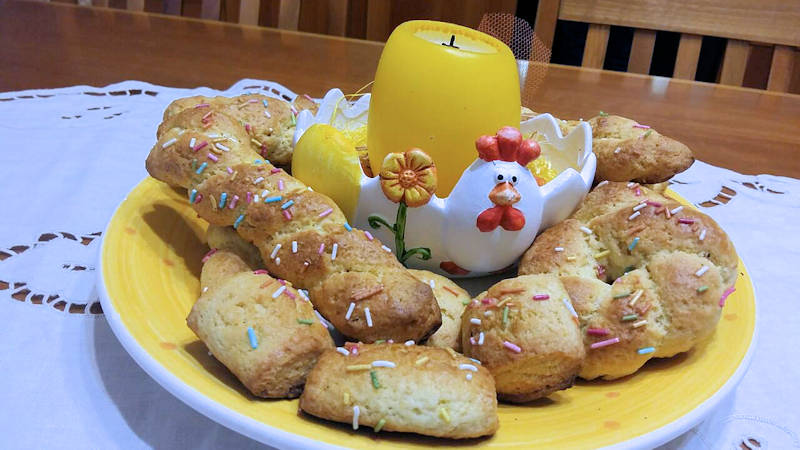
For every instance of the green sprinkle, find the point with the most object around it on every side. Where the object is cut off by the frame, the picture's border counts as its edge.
(465, 302)
(305, 321)
(629, 317)
(647, 133)
(380, 425)
(603, 114)
(702, 289)
(380, 341)
(374, 376)
(505, 316)
(618, 296)
(294, 120)
(633, 244)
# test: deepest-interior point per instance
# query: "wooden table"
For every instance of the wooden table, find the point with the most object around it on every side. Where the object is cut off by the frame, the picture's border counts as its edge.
(54, 45)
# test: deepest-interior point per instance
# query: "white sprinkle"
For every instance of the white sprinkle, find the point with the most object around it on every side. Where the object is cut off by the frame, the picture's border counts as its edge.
(258, 180)
(476, 361)
(222, 147)
(343, 351)
(631, 184)
(369, 317)
(559, 249)
(386, 248)
(432, 283)
(278, 292)
(213, 135)
(640, 206)
(275, 251)
(617, 150)
(469, 376)
(468, 367)
(333, 253)
(676, 210)
(487, 313)
(636, 297)
(480, 338)
(256, 198)
(568, 304)
(278, 261)
(303, 293)
(266, 113)
(191, 143)
(294, 246)
(701, 271)
(356, 412)
(350, 311)
(634, 215)
(586, 230)
(602, 183)
(475, 321)
(321, 319)
(180, 133)
(410, 342)
(702, 234)
(382, 363)
(205, 289)
(169, 142)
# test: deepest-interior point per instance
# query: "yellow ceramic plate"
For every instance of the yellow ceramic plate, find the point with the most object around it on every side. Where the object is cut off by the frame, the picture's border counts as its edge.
(150, 265)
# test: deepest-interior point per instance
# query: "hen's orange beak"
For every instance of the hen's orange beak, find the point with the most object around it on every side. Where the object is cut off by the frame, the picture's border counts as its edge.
(504, 194)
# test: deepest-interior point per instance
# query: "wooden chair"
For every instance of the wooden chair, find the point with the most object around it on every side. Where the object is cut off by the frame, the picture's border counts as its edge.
(744, 23)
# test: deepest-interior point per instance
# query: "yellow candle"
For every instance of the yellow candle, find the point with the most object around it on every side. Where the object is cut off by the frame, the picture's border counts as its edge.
(440, 86)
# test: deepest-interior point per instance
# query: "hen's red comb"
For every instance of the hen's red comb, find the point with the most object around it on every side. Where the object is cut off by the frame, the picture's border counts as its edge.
(507, 145)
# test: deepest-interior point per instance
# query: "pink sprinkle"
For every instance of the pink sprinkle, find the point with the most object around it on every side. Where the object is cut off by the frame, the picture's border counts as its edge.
(200, 145)
(280, 185)
(652, 203)
(597, 331)
(641, 126)
(294, 110)
(213, 157)
(725, 295)
(472, 340)
(321, 248)
(605, 343)
(291, 296)
(274, 171)
(326, 212)
(247, 127)
(252, 101)
(202, 105)
(541, 297)
(249, 197)
(282, 281)
(230, 171)
(198, 199)
(208, 114)
(513, 347)
(685, 220)
(264, 150)
(638, 192)
(488, 300)
(287, 214)
(309, 98)
(233, 202)
(369, 235)
(208, 255)
(260, 272)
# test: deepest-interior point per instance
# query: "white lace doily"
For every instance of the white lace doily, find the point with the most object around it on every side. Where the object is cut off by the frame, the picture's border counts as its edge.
(70, 155)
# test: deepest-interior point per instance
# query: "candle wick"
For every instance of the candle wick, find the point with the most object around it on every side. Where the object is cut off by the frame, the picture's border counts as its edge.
(452, 42)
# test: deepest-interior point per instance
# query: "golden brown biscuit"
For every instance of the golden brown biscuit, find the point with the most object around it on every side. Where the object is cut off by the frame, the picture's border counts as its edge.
(302, 235)
(524, 333)
(645, 274)
(267, 122)
(452, 300)
(394, 387)
(261, 329)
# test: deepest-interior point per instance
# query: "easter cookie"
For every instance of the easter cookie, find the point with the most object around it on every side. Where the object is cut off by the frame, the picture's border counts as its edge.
(396, 387)
(452, 300)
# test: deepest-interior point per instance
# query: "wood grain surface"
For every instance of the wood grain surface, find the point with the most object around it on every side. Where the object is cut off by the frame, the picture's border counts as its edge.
(51, 45)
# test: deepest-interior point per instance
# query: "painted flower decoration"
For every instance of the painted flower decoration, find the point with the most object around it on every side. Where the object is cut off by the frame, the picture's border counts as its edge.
(408, 177)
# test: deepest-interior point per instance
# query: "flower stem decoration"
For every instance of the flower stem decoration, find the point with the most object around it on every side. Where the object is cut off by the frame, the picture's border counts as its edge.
(408, 179)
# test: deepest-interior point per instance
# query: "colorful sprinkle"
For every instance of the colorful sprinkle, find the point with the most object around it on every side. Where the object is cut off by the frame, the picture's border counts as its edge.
(374, 377)
(602, 183)
(640, 323)
(645, 350)
(201, 168)
(326, 212)
(444, 414)
(481, 338)
(234, 201)
(260, 272)
(513, 347)
(382, 363)
(568, 304)
(350, 311)
(222, 147)
(348, 227)
(368, 235)
(468, 367)
(559, 249)
(619, 296)
(702, 289)
(369, 317)
(280, 185)
(274, 171)
(213, 157)
(169, 143)
(208, 255)
(386, 248)
(287, 204)
(541, 297)
(334, 251)
(278, 292)
(251, 335)
(192, 195)
(321, 248)
(343, 351)
(199, 146)
(725, 295)
(258, 180)
(701, 271)
(629, 317)
(475, 321)
(356, 412)
(636, 297)
(604, 343)
(702, 234)
(275, 251)
(505, 316)
(597, 331)
(586, 230)
(409, 343)
(676, 210)
(273, 199)
(646, 127)
(640, 206)
(633, 244)
(686, 221)
(238, 221)
(305, 321)
(634, 215)
(602, 254)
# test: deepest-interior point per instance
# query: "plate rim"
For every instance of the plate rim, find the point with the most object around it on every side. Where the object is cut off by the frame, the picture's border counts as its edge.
(270, 435)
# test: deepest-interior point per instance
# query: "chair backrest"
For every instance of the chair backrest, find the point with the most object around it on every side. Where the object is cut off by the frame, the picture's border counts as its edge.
(743, 22)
